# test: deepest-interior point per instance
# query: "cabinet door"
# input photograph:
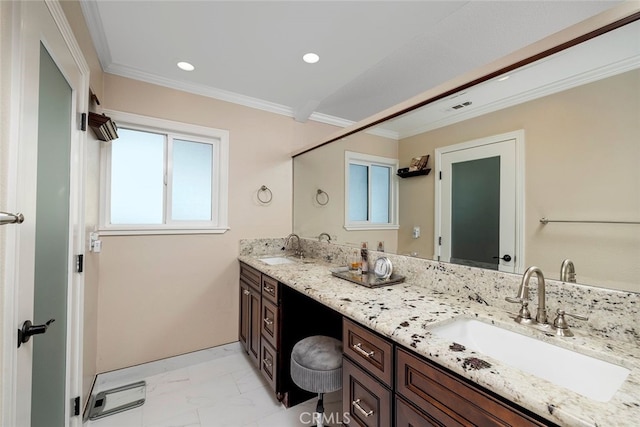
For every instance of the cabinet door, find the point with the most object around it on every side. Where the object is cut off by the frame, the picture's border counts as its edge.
(245, 315)
(451, 400)
(365, 399)
(253, 346)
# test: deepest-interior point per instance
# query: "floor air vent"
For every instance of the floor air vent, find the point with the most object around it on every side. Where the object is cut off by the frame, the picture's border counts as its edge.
(116, 400)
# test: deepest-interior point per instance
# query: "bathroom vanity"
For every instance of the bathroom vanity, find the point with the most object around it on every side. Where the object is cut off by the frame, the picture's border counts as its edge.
(273, 318)
(396, 372)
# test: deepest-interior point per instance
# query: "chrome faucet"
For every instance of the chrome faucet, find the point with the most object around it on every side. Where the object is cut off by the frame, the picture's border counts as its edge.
(568, 271)
(324, 235)
(298, 250)
(523, 297)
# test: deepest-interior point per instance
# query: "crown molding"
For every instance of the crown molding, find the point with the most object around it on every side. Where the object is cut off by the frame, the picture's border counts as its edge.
(94, 24)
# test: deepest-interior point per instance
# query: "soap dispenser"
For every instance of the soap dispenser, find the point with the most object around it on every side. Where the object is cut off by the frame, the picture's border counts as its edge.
(364, 258)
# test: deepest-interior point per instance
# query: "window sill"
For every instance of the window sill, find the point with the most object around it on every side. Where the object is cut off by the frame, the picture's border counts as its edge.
(159, 231)
(365, 227)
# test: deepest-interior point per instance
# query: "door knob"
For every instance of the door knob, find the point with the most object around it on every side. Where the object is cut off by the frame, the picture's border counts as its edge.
(506, 258)
(28, 329)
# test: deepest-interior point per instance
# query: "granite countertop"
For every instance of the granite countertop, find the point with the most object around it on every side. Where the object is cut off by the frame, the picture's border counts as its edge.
(406, 312)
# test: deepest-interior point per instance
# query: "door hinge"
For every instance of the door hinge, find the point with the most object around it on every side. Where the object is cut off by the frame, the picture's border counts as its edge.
(75, 403)
(83, 122)
(440, 174)
(440, 240)
(79, 263)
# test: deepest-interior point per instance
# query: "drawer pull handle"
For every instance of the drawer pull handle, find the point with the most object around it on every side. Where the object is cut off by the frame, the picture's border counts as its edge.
(356, 404)
(358, 348)
(267, 363)
(269, 289)
(246, 292)
(268, 321)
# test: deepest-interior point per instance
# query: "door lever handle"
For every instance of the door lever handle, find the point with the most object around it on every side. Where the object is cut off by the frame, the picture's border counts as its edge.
(506, 258)
(28, 329)
(11, 218)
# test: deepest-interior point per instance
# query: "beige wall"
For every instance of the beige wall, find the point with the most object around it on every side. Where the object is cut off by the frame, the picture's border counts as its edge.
(161, 296)
(581, 154)
(323, 168)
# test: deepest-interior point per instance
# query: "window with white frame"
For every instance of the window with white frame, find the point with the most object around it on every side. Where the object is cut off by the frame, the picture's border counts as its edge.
(161, 176)
(371, 193)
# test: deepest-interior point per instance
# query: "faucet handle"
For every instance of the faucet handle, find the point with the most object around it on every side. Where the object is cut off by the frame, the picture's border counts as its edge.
(560, 323)
(524, 315)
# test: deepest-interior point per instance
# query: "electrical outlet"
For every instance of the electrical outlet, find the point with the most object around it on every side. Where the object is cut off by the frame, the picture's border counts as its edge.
(416, 232)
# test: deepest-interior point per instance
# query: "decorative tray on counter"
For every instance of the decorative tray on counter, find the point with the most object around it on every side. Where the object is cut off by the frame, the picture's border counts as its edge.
(369, 280)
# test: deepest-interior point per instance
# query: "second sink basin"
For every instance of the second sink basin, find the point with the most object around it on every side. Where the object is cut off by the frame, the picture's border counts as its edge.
(277, 260)
(591, 377)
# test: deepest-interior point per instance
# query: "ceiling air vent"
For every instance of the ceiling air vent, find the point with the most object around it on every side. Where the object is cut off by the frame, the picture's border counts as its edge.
(462, 105)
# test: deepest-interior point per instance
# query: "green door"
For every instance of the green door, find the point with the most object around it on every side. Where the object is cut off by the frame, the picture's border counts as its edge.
(48, 400)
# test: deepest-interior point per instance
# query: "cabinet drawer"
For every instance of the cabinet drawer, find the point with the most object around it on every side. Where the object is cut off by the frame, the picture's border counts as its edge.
(250, 275)
(269, 319)
(408, 416)
(269, 364)
(365, 399)
(270, 289)
(451, 400)
(372, 352)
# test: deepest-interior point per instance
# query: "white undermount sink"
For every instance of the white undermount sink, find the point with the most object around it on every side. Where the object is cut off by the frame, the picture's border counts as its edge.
(588, 376)
(277, 260)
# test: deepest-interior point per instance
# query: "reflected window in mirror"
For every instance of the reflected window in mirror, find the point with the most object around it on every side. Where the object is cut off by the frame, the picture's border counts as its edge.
(370, 192)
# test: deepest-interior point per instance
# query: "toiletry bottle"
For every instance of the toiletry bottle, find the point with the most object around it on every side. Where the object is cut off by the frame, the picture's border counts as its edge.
(354, 263)
(364, 255)
(380, 246)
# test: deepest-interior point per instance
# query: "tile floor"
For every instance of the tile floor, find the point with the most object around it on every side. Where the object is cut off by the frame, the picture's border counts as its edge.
(209, 388)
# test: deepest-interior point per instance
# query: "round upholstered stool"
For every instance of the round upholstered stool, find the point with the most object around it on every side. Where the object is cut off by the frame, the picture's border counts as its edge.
(316, 366)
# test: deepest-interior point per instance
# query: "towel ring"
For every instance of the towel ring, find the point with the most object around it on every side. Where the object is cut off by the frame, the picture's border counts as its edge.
(320, 193)
(265, 195)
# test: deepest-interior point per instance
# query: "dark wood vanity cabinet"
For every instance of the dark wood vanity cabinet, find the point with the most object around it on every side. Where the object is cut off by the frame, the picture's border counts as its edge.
(367, 376)
(249, 331)
(408, 416)
(270, 349)
(273, 318)
(364, 398)
(260, 322)
(441, 398)
(269, 365)
(386, 385)
(383, 384)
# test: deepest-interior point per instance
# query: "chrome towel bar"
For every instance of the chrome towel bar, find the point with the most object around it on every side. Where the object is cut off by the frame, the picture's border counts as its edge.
(546, 221)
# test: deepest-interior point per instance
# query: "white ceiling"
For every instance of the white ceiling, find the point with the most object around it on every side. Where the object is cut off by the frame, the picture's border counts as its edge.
(373, 54)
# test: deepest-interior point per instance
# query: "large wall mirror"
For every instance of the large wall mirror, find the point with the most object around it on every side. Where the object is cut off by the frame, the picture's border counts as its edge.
(574, 120)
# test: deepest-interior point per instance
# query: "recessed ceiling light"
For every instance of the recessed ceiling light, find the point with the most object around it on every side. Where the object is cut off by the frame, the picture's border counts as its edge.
(310, 58)
(503, 78)
(186, 66)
